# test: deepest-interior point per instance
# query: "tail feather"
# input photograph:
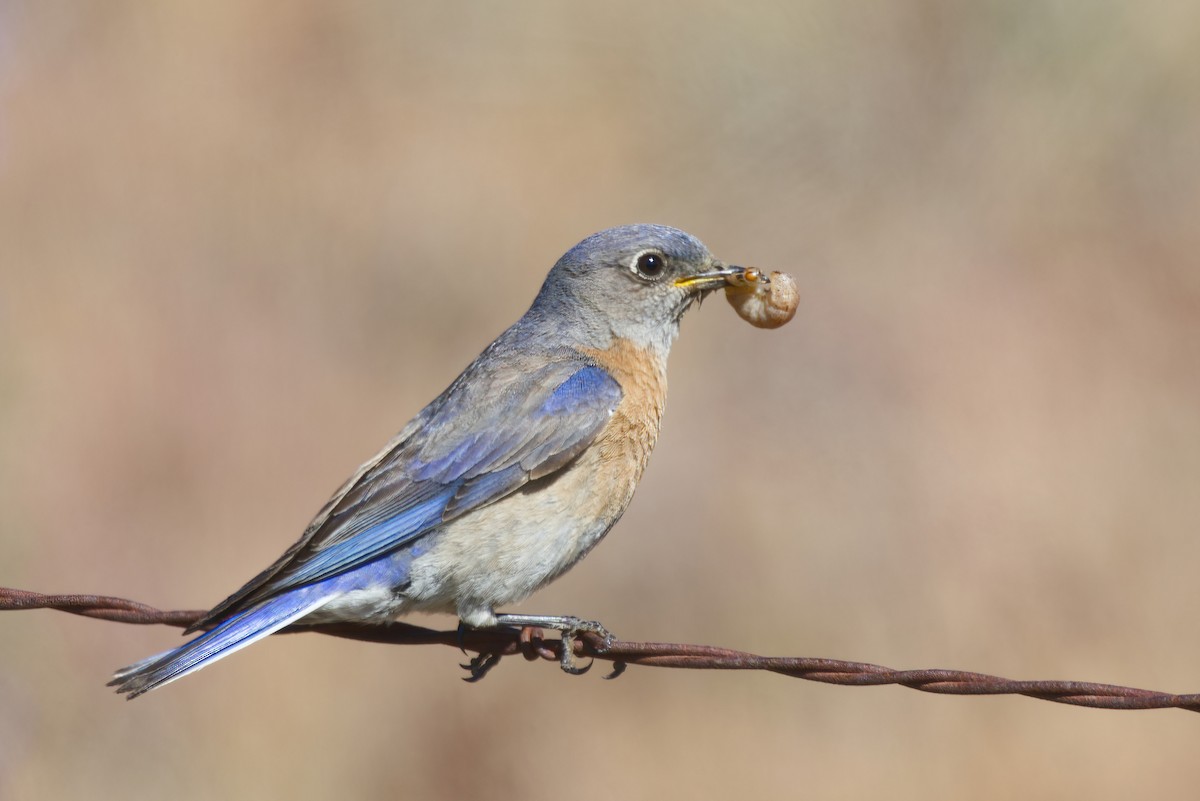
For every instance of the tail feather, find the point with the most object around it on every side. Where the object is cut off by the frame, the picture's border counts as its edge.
(233, 634)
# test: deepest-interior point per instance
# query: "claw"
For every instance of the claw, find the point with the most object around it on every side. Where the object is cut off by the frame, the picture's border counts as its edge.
(479, 666)
(567, 661)
(618, 669)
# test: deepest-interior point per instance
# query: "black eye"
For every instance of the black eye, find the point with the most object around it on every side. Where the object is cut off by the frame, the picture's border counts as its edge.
(649, 265)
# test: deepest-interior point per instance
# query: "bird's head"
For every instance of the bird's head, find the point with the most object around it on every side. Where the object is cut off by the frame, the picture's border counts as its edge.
(633, 282)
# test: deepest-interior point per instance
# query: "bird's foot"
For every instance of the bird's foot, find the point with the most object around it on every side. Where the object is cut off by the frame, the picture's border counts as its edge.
(569, 626)
(479, 666)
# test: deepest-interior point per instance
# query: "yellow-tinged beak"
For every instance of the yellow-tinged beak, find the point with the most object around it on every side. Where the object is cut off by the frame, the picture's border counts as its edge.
(716, 278)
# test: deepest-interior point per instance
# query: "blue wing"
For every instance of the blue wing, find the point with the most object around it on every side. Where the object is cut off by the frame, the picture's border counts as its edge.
(501, 424)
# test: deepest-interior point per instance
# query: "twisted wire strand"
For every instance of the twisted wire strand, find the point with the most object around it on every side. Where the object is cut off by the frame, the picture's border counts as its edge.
(491, 645)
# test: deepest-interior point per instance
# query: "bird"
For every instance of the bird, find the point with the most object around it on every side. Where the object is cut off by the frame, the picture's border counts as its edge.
(505, 480)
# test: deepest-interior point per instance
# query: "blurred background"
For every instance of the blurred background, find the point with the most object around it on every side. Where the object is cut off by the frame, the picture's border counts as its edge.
(242, 243)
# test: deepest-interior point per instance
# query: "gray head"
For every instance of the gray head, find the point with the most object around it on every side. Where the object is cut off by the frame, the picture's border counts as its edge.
(633, 282)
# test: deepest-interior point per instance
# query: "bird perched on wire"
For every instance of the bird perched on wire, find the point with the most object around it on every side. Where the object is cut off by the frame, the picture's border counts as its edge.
(506, 479)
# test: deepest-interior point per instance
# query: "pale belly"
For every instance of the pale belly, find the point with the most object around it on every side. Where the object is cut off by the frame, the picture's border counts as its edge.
(502, 553)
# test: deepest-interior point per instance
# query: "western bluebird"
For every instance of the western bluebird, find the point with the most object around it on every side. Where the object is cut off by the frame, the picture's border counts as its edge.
(506, 479)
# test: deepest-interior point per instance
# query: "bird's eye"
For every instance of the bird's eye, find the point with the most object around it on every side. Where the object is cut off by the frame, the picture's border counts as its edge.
(649, 264)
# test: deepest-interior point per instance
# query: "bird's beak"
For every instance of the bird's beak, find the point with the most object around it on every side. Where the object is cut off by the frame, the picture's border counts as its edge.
(720, 275)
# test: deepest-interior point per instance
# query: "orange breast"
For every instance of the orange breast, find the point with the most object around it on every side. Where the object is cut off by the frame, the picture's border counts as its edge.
(629, 437)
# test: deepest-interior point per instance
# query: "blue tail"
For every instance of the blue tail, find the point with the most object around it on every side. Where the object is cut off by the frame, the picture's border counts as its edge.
(235, 633)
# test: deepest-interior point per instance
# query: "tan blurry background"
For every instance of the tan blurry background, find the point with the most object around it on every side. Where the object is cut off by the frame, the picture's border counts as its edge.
(242, 243)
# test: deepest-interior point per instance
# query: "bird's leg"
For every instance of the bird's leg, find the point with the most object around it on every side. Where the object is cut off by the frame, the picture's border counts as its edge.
(569, 626)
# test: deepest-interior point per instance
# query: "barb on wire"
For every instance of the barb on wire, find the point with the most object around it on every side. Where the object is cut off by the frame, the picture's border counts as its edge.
(492, 644)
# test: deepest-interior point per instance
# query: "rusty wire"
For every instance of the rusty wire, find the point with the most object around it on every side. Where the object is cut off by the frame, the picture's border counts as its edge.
(491, 645)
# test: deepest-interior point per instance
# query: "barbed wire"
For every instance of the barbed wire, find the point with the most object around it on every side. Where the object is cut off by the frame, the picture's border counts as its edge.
(493, 644)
